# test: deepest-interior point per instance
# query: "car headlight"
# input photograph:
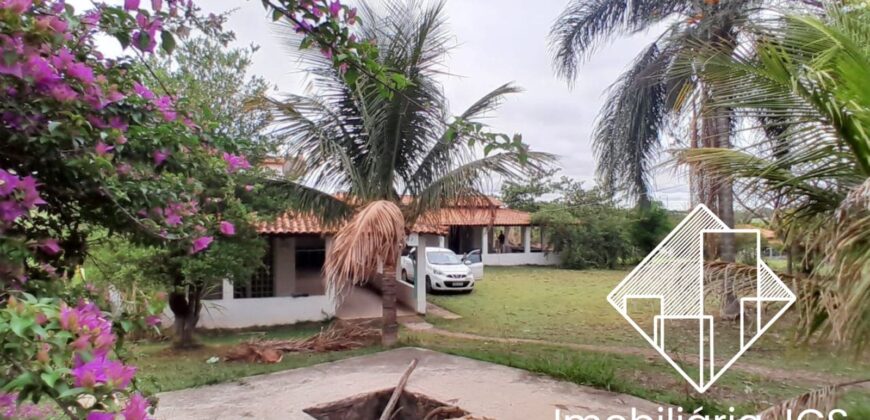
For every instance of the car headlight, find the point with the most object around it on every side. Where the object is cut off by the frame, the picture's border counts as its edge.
(438, 272)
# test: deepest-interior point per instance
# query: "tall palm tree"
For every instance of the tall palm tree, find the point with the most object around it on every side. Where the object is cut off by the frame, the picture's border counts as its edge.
(805, 79)
(376, 148)
(651, 97)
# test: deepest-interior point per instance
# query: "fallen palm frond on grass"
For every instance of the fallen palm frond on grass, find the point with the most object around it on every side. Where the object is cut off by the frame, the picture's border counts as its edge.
(822, 399)
(337, 337)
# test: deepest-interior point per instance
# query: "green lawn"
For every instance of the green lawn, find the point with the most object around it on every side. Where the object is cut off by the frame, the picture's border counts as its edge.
(540, 303)
(164, 369)
(570, 306)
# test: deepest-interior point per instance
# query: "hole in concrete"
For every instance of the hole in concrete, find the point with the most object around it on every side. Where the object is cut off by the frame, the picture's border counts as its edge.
(369, 406)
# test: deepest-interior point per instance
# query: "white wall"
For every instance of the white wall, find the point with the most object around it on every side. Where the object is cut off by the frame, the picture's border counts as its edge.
(521, 258)
(244, 313)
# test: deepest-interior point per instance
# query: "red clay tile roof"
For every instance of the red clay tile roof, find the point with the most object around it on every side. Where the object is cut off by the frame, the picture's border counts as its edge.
(306, 224)
(481, 217)
(475, 212)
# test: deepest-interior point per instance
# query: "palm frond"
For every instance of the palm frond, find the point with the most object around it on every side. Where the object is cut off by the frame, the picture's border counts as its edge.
(362, 247)
(471, 179)
(626, 136)
(586, 24)
(298, 197)
(822, 399)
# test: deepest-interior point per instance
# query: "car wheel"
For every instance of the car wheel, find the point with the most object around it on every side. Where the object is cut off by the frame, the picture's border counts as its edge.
(428, 285)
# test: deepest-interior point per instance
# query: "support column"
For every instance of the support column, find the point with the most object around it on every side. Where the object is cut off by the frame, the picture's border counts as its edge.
(420, 277)
(527, 240)
(484, 243)
(440, 242)
(227, 290)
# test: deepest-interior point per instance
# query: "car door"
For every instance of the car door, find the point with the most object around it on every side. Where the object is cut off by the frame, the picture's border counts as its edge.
(475, 263)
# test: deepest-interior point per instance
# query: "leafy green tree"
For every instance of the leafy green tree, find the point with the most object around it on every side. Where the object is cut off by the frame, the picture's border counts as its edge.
(374, 148)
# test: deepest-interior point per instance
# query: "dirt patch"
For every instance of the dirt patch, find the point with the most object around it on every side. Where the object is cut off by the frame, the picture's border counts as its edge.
(369, 406)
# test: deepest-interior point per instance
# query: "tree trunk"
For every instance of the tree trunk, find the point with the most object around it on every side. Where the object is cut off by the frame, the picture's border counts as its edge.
(390, 331)
(185, 307)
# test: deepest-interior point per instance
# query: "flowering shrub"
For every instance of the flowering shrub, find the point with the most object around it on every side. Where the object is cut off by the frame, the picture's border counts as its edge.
(88, 146)
(66, 353)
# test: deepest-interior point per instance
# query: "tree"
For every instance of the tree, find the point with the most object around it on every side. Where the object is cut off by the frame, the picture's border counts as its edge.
(374, 148)
(628, 134)
(805, 78)
(211, 81)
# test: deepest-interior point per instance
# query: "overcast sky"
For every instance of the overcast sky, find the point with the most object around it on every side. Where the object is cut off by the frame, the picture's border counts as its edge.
(497, 41)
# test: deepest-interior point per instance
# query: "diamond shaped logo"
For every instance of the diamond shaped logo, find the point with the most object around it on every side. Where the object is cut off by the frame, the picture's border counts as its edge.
(673, 280)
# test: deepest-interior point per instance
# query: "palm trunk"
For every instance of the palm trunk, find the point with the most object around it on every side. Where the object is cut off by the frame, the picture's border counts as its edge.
(390, 329)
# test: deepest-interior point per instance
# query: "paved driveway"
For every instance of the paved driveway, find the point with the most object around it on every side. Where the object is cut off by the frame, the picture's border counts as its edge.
(483, 389)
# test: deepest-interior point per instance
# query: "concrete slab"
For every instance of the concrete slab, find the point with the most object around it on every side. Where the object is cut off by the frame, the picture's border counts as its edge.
(484, 389)
(365, 303)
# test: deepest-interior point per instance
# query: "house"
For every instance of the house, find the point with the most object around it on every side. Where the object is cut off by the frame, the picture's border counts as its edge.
(290, 287)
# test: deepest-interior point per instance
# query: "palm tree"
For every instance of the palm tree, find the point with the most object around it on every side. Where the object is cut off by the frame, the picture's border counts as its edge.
(376, 149)
(650, 96)
(805, 79)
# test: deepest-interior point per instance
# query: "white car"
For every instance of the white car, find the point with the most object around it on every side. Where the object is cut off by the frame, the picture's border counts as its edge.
(445, 271)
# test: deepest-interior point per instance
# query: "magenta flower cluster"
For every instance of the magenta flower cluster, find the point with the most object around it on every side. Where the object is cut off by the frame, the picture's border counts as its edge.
(17, 196)
(93, 368)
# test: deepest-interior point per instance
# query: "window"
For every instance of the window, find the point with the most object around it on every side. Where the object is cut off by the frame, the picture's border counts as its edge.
(262, 284)
(473, 258)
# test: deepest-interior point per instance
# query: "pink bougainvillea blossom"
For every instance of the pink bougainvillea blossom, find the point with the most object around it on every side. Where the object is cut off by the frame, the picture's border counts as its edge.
(136, 408)
(131, 4)
(227, 228)
(16, 6)
(103, 149)
(50, 246)
(100, 415)
(153, 320)
(235, 162)
(200, 244)
(160, 156)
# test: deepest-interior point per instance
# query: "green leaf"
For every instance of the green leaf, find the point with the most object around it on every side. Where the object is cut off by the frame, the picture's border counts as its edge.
(50, 378)
(143, 41)
(71, 392)
(18, 325)
(19, 382)
(277, 15)
(167, 41)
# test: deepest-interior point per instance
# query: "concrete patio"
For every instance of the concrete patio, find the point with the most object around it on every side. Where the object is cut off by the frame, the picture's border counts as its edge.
(483, 389)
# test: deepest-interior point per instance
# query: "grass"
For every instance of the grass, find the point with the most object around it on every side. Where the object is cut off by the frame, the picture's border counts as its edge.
(163, 369)
(541, 303)
(653, 380)
(570, 306)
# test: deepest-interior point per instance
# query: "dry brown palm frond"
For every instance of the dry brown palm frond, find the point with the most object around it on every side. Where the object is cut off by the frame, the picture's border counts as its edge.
(371, 240)
(822, 399)
(338, 337)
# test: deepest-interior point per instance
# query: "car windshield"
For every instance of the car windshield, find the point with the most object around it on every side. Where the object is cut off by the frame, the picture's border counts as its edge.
(443, 258)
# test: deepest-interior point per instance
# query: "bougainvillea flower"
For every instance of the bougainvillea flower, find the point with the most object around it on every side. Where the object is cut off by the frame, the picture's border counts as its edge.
(153, 320)
(50, 246)
(62, 93)
(100, 415)
(235, 162)
(160, 156)
(143, 91)
(335, 8)
(103, 149)
(90, 374)
(156, 5)
(17, 6)
(227, 228)
(81, 72)
(136, 409)
(131, 4)
(200, 244)
(8, 182)
(69, 318)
